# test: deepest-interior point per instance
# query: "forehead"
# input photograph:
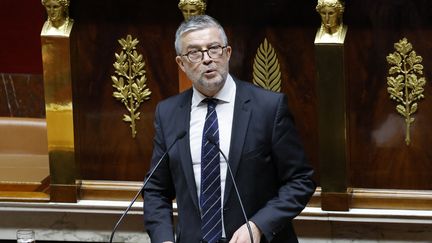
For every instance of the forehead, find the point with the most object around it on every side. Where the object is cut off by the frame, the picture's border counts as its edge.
(190, 7)
(52, 2)
(201, 37)
(327, 9)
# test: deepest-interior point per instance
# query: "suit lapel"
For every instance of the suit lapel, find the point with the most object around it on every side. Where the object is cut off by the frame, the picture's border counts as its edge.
(238, 133)
(185, 156)
(240, 125)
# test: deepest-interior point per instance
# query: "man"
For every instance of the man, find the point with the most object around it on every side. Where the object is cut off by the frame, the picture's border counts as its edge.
(254, 128)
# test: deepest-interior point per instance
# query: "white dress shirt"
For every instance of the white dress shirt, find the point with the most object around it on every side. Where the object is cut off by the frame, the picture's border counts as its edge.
(225, 111)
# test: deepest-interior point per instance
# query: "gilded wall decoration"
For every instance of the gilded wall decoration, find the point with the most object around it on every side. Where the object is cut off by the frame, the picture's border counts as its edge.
(332, 29)
(58, 22)
(405, 82)
(266, 68)
(191, 8)
(130, 82)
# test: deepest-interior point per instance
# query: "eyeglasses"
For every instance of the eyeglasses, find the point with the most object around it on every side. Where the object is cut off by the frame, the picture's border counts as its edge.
(196, 56)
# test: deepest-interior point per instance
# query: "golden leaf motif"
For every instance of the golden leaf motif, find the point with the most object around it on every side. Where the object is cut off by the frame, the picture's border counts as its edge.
(130, 85)
(266, 68)
(405, 85)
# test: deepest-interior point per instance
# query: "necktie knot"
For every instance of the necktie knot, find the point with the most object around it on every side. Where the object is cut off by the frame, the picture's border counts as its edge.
(211, 102)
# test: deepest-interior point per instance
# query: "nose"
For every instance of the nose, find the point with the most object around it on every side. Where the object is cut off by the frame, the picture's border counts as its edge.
(327, 18)
(206, 57)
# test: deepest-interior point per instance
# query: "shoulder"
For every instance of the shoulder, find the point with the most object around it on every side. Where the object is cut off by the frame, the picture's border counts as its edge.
(182, 98)
(172, 104)
(256, 93)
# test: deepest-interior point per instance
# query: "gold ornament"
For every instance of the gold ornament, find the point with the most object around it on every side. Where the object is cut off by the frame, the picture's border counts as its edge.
(129, 67)
(191, 8)
(266, 68)
(405, 85)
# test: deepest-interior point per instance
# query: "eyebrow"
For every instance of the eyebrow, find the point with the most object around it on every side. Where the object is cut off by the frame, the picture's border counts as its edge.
(199, 47)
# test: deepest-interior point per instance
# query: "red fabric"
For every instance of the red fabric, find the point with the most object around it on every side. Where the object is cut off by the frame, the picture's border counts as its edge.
(20, 24)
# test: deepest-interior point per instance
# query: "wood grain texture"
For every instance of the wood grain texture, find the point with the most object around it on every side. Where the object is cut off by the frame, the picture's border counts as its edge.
(22, 95)
(111, 154)
(378, 156)
(104, 145)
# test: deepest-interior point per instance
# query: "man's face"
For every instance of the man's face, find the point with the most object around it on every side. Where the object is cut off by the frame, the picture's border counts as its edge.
(329, 17)
(54, 10)
(208, 75)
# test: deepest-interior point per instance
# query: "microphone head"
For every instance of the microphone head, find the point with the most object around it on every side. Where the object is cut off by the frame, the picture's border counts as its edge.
(181, 134)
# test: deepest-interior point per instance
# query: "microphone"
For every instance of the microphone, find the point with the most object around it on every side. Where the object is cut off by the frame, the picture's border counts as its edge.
(180, 135)
(212, 141)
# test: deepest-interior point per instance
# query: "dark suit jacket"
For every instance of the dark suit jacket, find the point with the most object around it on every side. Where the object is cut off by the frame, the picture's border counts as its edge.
(266, 157)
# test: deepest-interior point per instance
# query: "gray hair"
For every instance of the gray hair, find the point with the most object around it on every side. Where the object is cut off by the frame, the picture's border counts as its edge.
(197, 22)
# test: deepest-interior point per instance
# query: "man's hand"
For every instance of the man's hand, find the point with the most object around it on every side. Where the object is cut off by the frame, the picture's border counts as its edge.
(242, 234)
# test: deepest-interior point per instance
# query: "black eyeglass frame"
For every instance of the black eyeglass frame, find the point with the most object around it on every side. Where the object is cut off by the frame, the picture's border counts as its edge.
(202, 53)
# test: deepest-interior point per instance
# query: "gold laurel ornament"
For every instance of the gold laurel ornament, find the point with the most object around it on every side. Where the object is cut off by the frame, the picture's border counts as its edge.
(130, 82)
(405, 81)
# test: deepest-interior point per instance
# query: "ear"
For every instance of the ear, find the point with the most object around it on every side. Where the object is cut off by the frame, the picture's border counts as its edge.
(180, 62)
(228, 52)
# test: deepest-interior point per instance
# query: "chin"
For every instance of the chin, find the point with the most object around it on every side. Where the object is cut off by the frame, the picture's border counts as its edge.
(215, 82)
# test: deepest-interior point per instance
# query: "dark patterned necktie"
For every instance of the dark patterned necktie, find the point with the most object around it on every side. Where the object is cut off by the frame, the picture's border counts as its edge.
(210, 200)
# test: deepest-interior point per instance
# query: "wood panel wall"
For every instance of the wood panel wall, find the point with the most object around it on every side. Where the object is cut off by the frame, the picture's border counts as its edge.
(21, 95)
(104, 145)
(107, 153)
(378, 155)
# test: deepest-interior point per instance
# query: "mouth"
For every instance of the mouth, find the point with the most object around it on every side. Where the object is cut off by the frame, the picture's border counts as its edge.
(210, 72)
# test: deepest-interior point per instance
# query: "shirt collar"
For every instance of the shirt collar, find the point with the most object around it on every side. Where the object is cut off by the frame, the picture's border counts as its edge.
(225, 95)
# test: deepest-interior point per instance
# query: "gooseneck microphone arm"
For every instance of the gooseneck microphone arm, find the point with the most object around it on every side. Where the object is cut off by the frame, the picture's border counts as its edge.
(179, 136)
(212, 141)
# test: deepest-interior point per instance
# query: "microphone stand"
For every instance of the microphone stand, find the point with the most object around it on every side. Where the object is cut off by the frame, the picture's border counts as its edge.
(127, 210)
(179, 136)
(211, 140)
